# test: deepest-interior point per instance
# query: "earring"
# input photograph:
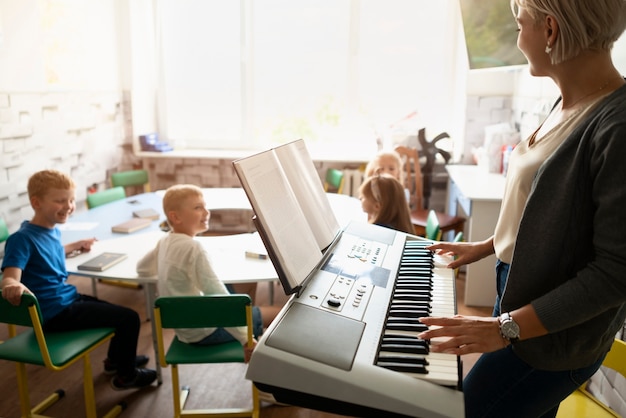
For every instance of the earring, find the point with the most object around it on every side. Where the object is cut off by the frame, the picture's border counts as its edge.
(548, 48)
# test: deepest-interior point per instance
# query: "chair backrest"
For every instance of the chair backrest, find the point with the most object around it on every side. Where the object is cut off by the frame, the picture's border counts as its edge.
(616, 359)
(131, 178)
(413, 179)
(333, 181)
(433, 230)
(19, 315)
(583, 403)
(105, 196)
(4, 230)
(216, 311)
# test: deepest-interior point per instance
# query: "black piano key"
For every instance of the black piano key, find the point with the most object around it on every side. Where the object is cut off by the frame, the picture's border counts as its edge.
(404, 368)
(406, 326)
(404, 348)
(396, 358)
(412, 296)
(406, 340)
(408, 313)
(408, 304)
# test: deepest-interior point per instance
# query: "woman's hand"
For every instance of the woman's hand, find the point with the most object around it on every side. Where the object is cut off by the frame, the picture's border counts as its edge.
(464, 252)
(463, 334)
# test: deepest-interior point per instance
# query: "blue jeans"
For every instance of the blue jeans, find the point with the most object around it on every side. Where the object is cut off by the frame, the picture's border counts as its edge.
(502, 273)
(502, 385)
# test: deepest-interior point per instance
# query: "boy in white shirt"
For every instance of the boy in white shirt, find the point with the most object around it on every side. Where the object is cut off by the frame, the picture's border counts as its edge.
(183, 266)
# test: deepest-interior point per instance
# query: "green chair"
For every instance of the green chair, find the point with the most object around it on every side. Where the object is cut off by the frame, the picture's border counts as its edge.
(4, 230)
(216, 311)
(131, 178)
(433, 231)
(333, 182)
(4, 234)
(98, 199)
(56, 351)
(105, 196)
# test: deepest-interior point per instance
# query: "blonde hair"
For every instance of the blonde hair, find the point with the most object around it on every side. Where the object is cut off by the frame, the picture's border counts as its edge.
(389, 193)
(583, 24)
(374, 164)
(176, 194)
(42, 181)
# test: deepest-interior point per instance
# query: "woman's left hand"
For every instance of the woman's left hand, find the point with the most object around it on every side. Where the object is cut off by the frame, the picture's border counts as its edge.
(463, 334)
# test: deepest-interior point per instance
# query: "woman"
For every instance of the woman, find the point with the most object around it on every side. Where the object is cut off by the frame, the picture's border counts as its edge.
(562, 226)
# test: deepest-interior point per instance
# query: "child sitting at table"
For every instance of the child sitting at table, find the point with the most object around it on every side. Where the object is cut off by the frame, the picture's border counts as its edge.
(34, 262)
(184, 269)
(388, 162)
(382, 198)
(385, 162)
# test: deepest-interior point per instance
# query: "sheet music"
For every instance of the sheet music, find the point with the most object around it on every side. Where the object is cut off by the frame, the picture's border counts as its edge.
(277, 207)
(307, 186)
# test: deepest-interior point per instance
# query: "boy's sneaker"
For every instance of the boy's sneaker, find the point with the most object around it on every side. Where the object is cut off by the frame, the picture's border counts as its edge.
(111, 368)
(141, 379)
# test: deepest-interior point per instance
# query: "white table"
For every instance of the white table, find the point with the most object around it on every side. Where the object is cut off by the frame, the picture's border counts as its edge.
(227, 252)
(477, 194)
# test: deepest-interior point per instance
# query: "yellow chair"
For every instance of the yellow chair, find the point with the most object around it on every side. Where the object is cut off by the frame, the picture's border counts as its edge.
(56, 351)
(333, 181)
(216, 311)
(131, 180)
(582, 403)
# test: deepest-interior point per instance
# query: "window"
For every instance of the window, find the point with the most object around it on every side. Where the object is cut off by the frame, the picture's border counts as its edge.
(260, 73)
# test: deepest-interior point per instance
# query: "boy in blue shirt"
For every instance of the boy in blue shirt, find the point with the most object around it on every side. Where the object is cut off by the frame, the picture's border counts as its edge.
(34, 262)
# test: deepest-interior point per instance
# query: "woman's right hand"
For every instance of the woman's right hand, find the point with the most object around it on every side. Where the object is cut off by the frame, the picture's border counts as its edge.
(463, 252)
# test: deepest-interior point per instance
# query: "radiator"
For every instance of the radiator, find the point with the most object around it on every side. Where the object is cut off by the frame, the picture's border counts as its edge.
(352, 179)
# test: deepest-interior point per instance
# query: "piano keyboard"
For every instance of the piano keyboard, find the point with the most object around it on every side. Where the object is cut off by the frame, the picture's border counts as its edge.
(348, 343)
(417, 294)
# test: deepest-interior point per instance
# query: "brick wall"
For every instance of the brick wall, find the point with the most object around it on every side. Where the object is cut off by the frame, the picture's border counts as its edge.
(85, 134)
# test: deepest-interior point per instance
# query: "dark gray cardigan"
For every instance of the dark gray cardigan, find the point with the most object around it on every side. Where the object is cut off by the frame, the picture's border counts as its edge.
(569, 260)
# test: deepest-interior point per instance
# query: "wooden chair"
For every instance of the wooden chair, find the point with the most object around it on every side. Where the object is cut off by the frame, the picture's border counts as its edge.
(56, 351)
(333, 181)
(414, 182)
(131, 180)
(216, 311)
(582, 403)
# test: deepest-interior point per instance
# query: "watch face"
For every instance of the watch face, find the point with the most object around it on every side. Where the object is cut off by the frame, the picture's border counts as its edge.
(510, 329)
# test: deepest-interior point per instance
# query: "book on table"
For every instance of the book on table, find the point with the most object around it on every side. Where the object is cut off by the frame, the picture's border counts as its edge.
(132, 225)
(102, 262)
(147, 213)
(293, 213)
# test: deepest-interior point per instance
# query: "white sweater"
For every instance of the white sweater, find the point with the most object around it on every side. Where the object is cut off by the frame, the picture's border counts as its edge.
(184, 269)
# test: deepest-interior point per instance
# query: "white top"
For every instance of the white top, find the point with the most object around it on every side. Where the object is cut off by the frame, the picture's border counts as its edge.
(183, 268)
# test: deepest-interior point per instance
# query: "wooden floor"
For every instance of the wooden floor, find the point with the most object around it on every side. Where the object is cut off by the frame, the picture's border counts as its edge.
(211, 385)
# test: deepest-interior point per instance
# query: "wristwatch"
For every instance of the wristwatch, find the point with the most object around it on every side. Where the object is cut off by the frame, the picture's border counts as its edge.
(508, 327)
